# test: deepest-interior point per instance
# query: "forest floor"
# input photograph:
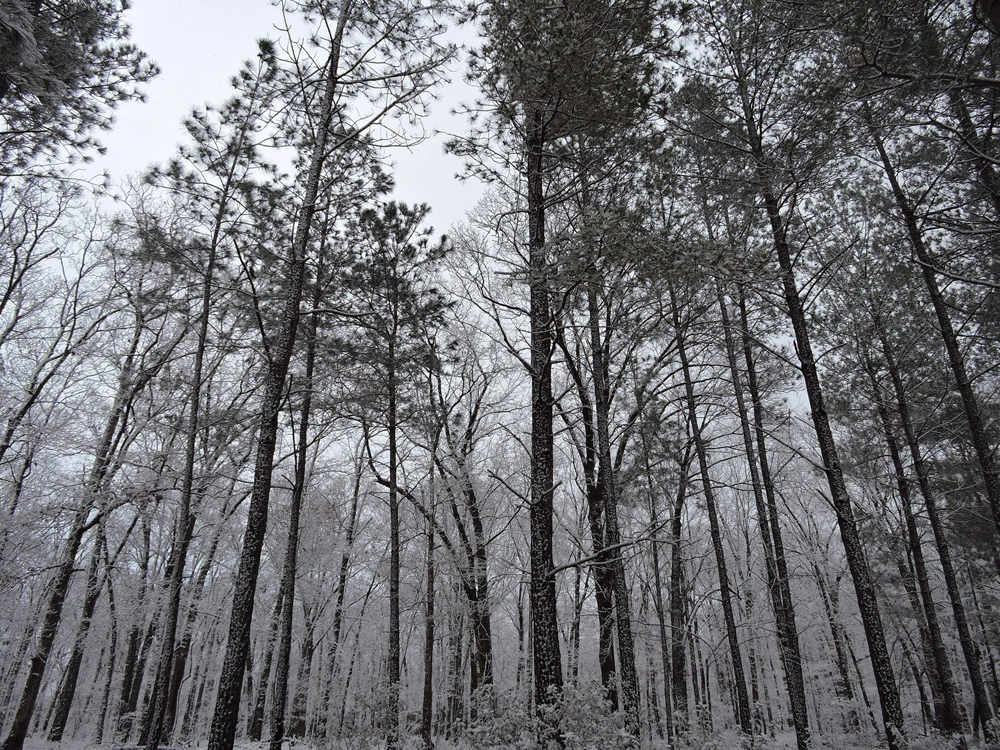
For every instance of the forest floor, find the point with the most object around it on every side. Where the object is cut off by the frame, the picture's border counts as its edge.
(721, 741)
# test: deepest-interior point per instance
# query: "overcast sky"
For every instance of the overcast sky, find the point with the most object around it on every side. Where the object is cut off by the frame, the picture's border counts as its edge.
(200, 44)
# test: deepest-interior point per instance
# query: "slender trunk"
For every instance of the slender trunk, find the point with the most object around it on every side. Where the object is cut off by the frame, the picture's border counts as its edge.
(126, 706)
(427, 707)
(743, 715)
(300, 698)
(227, 702)
(781, 603)
(937, 528)
(612, 536)
(255, 724)
(184, 647)
(843, 683)
(338, 609)
(678, 625)
(947, 715)
(392, 737)
(661, 619)
(956, 360)
(290, 568)
(102, 717)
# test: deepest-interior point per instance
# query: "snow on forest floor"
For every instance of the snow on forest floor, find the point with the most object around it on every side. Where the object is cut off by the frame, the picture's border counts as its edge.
(720, 741)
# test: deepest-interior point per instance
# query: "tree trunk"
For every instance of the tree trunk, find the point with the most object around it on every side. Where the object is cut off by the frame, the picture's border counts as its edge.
(300, 698)
(290, 568)
(338, 610)
(781, 603)
(102, 718)
(743, 715)
(255, 724)
(947, 716)
(545, 628)
(227, 702)
(67, 688)
(427, 706)
(612, 536)
(937, 528)
(126, 706)
(661, 619)
(678, 624)
(970, 402)
(892, 710)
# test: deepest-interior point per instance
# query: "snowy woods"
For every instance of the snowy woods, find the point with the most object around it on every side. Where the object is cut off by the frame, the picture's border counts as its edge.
(684, 438)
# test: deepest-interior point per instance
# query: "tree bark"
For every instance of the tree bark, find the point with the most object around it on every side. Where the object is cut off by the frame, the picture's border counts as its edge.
(937, 528)
(545, 628)
(612, 535)
(227, 702)
(67, 688)
(947, 716)
(678, 623)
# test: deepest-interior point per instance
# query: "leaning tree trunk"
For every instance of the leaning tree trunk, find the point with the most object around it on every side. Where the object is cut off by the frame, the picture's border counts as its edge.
(743, 715)
(956, 360)
(947, 716)
(290, 569)
(885, 679)
(937, 528)
(227, 702)
(788, 639)
(67, 688)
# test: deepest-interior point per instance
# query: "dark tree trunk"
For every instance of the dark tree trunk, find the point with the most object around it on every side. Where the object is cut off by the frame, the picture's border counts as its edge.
(956, 360)
(603, 583)
(946, 712)
(427, 706)
(892, 710)
(781, 603)
(67, 688)
(545, 628)
(937, 526)
(612, 536)
(678, 624)
(227, 702)
(393, 733)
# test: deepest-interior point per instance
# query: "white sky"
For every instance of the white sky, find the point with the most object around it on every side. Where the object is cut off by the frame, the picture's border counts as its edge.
(200, 44)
